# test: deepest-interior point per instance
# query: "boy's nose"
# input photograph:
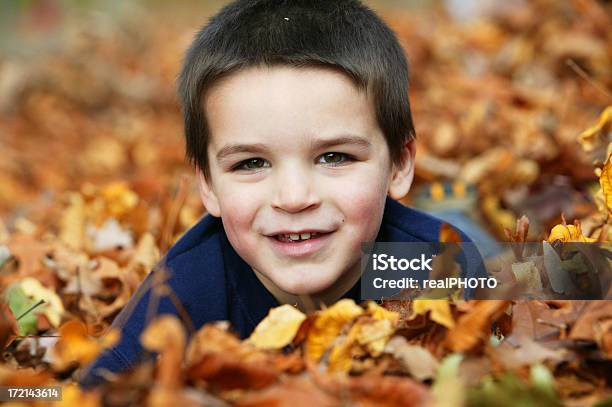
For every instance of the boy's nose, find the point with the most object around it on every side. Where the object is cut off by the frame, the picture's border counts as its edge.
(294, 193)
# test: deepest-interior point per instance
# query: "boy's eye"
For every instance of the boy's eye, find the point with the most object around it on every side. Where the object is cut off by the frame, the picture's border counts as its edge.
(334, 159)
(252, 164)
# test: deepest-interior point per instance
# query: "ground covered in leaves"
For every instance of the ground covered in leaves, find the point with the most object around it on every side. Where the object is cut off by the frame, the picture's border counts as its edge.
(512, 112)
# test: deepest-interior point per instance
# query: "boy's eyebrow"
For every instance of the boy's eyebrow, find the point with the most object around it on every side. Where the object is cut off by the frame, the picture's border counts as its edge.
(316, 145)
(340, 140)
(240, 148)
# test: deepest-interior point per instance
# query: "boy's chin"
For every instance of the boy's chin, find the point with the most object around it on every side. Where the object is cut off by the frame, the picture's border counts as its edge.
(306, 287)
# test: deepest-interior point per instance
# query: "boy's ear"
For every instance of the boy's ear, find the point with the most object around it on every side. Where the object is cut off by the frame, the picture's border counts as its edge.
(209, 199)
(403, 175)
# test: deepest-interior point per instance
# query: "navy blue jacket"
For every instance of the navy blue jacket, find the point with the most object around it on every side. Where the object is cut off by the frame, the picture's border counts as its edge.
(213, 283)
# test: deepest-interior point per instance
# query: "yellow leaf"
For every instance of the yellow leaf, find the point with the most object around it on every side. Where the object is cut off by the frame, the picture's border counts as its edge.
(605, 180)
(589, 138)
(75, 345)
(165, 331)
(327, 325)
(278, 329)
(119, 198)
(439, 311)
(568, 233)
(366, 334)
(166, 336)
(53, 307)
(73, 396)
(381, 313)
(374, 336)
(72, 222)
(341, 356)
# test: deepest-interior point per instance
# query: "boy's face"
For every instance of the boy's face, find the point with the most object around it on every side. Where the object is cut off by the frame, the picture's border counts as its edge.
(292, 152)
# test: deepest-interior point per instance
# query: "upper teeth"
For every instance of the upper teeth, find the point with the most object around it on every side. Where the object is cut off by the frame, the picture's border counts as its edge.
(300, 236)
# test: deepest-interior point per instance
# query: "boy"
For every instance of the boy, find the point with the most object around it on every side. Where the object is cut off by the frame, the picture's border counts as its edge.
(298, 121)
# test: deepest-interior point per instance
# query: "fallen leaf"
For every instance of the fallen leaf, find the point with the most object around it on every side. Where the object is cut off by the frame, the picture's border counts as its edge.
(327, 326)
(439, 311)
(593, 325)
(291, 392)
(278, 328)
(72, 222)
(109, 236)
(24, 295)
(8, 326)
(75, 345)
(527, 353)
(474, 327)
(568, 233)
(605, 180)
(166, 336)
(417, 361)
(591, 137)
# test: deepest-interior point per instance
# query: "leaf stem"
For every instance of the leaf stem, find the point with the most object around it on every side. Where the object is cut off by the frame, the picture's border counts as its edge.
(39, 303)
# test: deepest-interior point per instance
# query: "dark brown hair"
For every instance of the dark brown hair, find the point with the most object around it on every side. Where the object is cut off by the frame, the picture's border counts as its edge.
(340, 34)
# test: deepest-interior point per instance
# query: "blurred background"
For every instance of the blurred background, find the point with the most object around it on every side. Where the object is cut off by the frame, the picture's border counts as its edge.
(91, 147)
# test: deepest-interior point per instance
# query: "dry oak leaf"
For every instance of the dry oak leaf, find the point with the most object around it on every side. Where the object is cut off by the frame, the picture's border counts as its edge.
(382, 313)
(594, 325)
(373, 389)
(527, 353)
(278, 328)
(216, 338)
(327, 325)
(605, 180)
(73, 396)
(119, 198)
(341, 356)
(374, 335)
(589, 139)
(387, 391)
(568, 233)
(290, 392)
(8, 326)
(223, 361)
(417, 361)
(439, 311)
(367, 334)
(474, 327)
(76, 345)
(9, 376)
(167, 337)
(226, 371)
(72, 222)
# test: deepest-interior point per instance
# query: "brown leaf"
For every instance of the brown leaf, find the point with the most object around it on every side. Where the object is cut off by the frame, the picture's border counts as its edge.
(76, 345)
(291, 392)
(222, 360)
(605, 180)
(167, 337)
(417, 361)
(474, 327)
(594, 325)
(226, 371)
(544, 320)
(327, 326)
(8, 326)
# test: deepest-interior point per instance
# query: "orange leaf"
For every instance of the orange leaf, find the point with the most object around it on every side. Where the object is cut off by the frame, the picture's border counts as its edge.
(605, 180)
